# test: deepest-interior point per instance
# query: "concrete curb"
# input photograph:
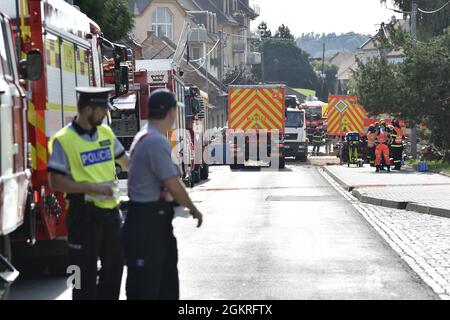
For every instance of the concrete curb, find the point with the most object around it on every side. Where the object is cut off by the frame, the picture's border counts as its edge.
(339, 181)
(402, 205)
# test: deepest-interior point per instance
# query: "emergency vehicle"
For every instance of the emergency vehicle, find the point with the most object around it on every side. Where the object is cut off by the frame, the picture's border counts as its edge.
(165, 73)
(196, 105)
(15, 170)
(71, 56)
(258, 109)
(313, 115)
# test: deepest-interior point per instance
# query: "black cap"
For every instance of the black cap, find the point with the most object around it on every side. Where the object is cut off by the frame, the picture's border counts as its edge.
(161, 100)
(94, 96)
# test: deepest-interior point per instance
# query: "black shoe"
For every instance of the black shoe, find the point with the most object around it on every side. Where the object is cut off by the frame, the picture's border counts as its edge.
(389, 168)
(377, 169)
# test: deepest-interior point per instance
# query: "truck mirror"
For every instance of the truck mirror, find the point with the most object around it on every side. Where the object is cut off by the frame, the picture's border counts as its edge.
(31, 69)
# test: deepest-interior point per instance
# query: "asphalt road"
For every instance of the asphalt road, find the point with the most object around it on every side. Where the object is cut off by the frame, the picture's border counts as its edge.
(274, 235)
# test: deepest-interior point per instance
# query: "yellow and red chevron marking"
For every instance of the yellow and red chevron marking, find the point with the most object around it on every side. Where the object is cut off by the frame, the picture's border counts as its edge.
(256, 108)
(37, 138)
(352, 117)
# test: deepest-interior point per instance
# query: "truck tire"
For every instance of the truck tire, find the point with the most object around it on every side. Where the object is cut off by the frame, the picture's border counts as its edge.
(5, 251)
(204, 172)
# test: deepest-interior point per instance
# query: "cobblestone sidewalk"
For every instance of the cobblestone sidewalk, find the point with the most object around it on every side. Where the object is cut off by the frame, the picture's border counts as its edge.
(413, 191)
(422, 241)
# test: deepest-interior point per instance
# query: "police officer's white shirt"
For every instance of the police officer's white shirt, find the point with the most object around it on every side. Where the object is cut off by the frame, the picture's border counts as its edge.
(150, 164)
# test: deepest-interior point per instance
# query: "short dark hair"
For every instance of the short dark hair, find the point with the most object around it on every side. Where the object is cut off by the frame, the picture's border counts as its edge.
(160, 102)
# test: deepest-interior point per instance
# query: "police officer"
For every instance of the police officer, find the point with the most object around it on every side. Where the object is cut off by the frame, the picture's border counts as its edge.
(82, 164)
(149, 243)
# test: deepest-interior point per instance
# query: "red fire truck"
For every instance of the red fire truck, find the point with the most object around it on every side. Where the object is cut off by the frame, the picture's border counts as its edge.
(15, 174)
(71, 54)
(313, 117)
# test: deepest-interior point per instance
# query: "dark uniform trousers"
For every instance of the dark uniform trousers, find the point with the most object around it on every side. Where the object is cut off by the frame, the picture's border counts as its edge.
(151, 252)
(95, 233)
(371, 155)
(397, 153)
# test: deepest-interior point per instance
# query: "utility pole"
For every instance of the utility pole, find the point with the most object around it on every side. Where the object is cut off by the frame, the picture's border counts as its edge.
(322, 76)
(262, 63)
(414, 37)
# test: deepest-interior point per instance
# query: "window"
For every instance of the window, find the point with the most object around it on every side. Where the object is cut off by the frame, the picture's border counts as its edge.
(234, 5)
(162, 22)
(5, 58)
(195, 53)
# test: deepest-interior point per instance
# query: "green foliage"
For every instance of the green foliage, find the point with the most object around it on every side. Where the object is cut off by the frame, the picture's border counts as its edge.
(428, 25)
(264, 31)
(283, 32)
(313, 43)
(417, 89)
(239, 75)
(113, 16)
(285, 62)
(433, 165)
(327, 84)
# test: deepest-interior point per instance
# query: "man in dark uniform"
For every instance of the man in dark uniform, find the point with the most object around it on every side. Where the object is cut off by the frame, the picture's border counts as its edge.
(149, 244)
(82, 164)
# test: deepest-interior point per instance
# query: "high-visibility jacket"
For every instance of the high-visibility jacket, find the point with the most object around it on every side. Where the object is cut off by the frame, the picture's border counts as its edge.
(91, 161)
(317, 137)
(371, 138)
(398, 136)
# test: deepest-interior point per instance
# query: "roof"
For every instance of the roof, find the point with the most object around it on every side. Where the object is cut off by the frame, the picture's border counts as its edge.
(346, 63)
(246, 9)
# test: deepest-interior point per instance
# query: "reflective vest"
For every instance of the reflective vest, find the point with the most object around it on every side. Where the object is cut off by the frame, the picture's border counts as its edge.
(317, 138)
(382, 137)
(90, 161)
(371, 137)
(398, 136)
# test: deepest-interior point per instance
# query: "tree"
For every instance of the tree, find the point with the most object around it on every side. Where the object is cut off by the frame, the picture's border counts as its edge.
(428, 25)
(113, 16)
(327, 84)
(264, 31)
(284, 62)
(239, 75)
(283, 32)
(418, 89)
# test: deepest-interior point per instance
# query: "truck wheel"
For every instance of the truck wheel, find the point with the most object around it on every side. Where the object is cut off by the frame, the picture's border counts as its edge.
(204, 172)
(5, 251)
(282, 163)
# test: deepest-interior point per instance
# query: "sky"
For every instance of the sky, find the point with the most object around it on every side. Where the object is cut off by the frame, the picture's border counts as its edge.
(361, 16)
